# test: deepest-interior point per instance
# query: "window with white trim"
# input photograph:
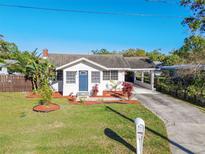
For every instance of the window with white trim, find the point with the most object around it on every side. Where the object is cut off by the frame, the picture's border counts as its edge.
(110, 75)
(71, 77)
(114, 75)
(106, 75)
(95, 77)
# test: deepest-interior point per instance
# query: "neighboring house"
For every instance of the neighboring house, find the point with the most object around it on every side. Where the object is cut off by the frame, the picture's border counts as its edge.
(3, 69)
(4, 66)
(79, 73)
(183, 66)
(158, 65)
(159, 70)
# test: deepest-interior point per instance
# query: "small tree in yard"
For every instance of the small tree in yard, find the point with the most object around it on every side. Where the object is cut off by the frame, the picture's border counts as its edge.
(47, 74)
(127, 89)
(46, 92)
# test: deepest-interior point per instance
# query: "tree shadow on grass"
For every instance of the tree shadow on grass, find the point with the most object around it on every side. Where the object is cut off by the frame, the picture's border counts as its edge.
(113, 135)
(154, 132)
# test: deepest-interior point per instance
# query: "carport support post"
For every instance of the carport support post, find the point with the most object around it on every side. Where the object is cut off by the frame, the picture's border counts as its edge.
(152, 79)
(142, 76)
(134, 76)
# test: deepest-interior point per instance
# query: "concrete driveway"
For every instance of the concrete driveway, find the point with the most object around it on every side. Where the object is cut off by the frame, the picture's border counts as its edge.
(185, 123)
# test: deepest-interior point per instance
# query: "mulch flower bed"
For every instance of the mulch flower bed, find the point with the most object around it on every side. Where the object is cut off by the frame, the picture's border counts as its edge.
(113, 94)
(116, 94)
(46, 108)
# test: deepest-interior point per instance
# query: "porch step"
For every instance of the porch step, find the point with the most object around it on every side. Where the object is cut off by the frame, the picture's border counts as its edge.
(79, 94)
(82, 96)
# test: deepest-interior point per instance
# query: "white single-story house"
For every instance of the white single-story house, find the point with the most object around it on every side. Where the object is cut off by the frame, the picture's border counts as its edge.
(79, 73)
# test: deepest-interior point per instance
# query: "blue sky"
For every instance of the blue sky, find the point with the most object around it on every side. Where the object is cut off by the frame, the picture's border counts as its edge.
(80, 33)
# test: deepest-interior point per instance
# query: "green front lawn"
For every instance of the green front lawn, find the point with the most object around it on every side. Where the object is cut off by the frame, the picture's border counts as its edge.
(75, 128)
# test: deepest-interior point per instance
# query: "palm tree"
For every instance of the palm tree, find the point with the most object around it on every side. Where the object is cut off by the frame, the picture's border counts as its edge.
(28, 64)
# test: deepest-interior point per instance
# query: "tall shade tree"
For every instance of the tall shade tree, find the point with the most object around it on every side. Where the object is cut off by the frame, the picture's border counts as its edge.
(7, 49)
(156, 55)
(193, 43)
(173, 59)
(193, 50)
(196, 21)
(134, 53)
(101, 52)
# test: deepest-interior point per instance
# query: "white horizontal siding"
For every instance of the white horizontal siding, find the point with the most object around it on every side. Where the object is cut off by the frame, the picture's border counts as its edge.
(68, 88)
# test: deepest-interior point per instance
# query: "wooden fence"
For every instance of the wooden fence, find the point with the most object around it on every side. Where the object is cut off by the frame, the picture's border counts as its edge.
(14, 83)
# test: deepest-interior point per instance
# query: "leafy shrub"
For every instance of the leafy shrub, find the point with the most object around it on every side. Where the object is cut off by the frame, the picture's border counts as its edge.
(95, 90)
(46, 92)
(127, 89)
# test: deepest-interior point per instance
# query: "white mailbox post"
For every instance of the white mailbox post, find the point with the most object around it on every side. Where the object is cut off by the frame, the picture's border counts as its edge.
(140, 131)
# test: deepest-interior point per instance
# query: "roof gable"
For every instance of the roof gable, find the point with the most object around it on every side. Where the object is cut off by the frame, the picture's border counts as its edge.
(79, 60)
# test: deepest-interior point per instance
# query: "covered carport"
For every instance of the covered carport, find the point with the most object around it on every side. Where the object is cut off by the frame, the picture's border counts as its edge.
(141, 81)
(142, 72)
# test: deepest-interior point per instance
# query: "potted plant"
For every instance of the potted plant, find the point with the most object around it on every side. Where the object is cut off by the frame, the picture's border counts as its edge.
(71, 97)
(95, 90)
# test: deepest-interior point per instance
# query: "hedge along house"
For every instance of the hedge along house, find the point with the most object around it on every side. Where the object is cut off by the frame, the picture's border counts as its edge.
(79, 73)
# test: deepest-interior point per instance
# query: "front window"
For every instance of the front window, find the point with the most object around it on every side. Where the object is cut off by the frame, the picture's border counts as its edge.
(95, 77)
(71, 77)
(110, 75)
(114, 75)
(106, 75)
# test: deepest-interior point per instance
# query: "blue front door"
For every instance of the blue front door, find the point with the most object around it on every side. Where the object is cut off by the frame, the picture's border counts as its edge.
(83, 80)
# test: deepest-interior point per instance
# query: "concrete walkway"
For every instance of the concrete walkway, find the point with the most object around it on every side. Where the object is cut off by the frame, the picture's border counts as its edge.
(185, 123)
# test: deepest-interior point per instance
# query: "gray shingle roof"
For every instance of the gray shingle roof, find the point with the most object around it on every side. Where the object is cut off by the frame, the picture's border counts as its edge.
(109, 61)
(139, 62)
